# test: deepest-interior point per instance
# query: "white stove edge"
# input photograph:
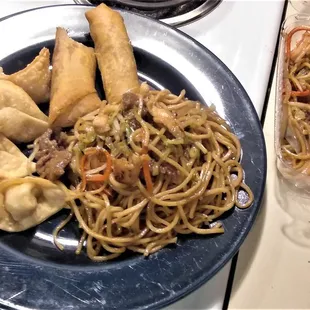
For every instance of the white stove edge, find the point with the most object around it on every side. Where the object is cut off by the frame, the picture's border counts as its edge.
(249, 60)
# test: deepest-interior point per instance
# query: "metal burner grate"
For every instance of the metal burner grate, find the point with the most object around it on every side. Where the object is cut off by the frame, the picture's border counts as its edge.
(172, 12)
(148, 4)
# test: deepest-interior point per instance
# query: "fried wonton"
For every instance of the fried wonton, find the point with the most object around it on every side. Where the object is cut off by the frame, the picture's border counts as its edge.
(35, 79)
(13, 163)
(20, 118)
(19, 126)
(15, 97)
(27, 202)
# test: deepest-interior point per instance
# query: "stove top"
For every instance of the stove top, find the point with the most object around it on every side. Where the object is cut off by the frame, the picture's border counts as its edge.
(172, 12)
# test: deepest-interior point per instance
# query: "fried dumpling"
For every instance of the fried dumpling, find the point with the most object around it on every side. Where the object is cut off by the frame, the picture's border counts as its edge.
(15, 97)
(27, 202)
(19, 126)
(13, 163)
(34, 79)
(20, 118)
(73, 92)
(9, 147)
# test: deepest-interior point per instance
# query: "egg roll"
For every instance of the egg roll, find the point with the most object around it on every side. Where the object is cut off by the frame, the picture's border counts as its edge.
(73, 92)
(35, 78)
(113, 51)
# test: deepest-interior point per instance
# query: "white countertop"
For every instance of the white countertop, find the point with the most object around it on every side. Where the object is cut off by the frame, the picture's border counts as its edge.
(273, 269)
(248, 30)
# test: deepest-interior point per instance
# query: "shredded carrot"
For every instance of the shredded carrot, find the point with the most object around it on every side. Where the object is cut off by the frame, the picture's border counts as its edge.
(92, 151)
(288, 55)
(83, 174)
(144, 150)
(289, 38)
(301, 93)
(147, 173)
(105, 176)
(96, 177)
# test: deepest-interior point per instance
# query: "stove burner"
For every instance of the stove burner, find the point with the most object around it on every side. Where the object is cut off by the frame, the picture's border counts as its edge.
(172, 12)
(148, 4)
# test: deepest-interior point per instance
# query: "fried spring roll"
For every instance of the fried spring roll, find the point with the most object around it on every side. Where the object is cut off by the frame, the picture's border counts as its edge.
(73, 92)
(113, 51)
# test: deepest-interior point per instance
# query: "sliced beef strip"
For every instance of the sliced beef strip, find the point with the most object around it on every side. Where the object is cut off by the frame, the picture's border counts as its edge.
(130, 101)
(167, 169)
(46, 144)
(52, 158)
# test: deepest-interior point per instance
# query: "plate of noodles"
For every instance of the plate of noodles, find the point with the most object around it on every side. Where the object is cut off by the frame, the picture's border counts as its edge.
(132, 161)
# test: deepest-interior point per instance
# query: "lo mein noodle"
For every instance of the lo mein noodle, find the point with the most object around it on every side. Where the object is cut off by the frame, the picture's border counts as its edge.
(161, 166)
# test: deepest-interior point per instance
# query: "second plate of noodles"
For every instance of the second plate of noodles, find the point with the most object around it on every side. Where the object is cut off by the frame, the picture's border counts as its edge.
(292, 131)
